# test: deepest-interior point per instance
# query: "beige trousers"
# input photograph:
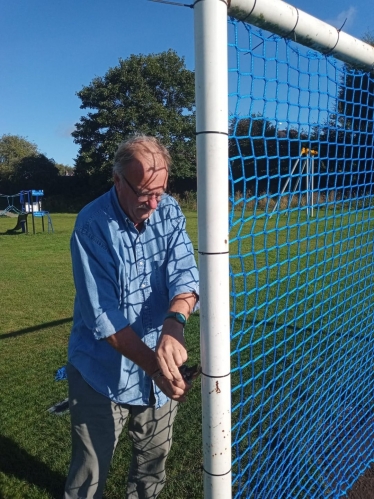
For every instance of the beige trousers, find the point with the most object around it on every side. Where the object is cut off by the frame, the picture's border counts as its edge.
(96, 424)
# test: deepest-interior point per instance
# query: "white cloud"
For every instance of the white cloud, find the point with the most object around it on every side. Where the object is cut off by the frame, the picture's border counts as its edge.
(347, 15)
(64, 130)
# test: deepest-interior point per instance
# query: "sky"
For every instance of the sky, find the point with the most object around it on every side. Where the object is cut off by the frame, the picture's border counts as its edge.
(50, 49)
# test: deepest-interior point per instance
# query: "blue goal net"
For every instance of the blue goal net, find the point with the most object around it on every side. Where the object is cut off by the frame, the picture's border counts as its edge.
(302, 268)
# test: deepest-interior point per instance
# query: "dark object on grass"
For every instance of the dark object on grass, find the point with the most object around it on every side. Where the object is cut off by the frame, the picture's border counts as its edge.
(60, 408)
(21, 224)
(61, 374)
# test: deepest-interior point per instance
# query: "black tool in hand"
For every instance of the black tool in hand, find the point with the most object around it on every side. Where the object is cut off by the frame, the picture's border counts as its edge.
(190, 373)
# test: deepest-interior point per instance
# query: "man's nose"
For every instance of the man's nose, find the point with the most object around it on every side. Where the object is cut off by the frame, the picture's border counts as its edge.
(152, 202)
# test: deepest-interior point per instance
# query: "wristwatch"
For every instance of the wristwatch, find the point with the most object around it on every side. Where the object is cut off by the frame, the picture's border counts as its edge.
(177, 316)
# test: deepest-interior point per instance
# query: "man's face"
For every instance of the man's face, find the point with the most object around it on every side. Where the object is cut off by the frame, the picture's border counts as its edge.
(142, 184)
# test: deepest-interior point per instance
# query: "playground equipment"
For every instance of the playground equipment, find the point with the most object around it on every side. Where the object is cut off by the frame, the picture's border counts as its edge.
(10, 210)
(21, 224)
(31, 204)
(307, 158)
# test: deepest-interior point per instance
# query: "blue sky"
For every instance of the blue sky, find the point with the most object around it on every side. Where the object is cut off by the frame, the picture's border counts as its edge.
(50, 49)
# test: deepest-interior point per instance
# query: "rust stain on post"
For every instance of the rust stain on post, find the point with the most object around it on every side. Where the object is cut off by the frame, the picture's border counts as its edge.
(217, 389)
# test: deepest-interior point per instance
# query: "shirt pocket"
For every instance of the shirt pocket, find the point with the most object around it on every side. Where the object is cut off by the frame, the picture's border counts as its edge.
(158, 277)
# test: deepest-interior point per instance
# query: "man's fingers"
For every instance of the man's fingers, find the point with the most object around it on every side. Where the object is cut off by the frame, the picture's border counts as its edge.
(171, 390)
(169, 365)
(164, 368)
(180, 356)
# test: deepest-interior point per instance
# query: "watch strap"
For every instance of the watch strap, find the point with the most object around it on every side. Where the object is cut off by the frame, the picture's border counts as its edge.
(177, 316)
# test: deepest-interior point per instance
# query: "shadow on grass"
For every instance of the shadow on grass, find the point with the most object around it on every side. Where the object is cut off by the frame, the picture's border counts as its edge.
(16, 462)
(11, 232)
(32, 329)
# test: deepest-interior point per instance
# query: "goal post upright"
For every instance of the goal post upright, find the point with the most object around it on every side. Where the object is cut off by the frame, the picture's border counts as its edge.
(211, 77)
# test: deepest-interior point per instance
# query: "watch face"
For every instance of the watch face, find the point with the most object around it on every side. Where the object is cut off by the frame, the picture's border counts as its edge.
(178, 317)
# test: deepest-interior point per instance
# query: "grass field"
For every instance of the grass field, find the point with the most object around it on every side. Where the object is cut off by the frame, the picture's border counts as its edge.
(302, 314)
(37, 292)
(302, 333)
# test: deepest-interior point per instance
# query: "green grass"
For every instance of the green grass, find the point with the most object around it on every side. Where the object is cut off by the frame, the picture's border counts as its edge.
(37, 293)
(303, 315)
(303, 324)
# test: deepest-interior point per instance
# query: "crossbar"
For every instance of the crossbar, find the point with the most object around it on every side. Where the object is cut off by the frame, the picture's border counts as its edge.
(288, 21)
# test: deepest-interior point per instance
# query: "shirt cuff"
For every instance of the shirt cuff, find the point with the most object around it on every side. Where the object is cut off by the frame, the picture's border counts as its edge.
(179, 290)
(109, 323)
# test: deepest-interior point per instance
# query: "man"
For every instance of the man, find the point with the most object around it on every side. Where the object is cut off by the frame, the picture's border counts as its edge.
(136, 285)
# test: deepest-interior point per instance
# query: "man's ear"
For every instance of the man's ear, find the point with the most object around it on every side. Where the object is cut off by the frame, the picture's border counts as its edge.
(116, 179)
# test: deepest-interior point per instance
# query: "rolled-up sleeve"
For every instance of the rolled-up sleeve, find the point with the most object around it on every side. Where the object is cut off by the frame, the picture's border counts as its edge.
(96, 278)
(182, 273)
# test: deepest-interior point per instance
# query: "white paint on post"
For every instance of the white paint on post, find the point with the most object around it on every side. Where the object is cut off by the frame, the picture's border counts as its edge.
(211, 74)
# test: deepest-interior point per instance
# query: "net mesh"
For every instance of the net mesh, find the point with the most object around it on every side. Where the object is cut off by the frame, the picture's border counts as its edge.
(301, 265)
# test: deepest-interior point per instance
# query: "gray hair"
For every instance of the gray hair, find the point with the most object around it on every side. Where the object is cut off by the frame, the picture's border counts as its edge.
(125, 152)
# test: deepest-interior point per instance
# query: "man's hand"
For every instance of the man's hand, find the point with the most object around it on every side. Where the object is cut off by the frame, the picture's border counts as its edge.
(171, 352)
(172, 390)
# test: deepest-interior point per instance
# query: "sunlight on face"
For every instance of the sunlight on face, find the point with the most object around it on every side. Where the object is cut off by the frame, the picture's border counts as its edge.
(143, 183)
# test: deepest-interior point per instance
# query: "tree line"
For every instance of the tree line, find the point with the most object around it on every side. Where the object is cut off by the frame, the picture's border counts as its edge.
(262, 157)
(154, 94)
(24, 167)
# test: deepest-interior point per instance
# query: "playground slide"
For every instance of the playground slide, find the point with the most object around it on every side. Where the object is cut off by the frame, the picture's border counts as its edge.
(21, 223)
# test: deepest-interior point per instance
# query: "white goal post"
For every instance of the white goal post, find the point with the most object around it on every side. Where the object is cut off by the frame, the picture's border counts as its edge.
(213, 236)
(211, 73)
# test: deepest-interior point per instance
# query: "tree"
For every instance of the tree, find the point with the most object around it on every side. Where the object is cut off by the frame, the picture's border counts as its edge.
(260, 155)
(13, 148)
(151, 94)
(64, 170)
(35, 172)
(347, 142)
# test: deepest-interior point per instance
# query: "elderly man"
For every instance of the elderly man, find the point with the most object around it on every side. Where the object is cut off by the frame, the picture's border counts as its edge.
(136, 285)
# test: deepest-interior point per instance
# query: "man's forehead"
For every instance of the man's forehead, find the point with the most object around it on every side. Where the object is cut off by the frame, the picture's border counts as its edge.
(146, 163)
(149, 156)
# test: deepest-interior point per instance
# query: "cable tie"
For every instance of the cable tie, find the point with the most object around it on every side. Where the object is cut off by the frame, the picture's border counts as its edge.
(214, 474)
(211, 131)
(346, 19)
(213, 377)
(337, 41)
(294, 28)
(173, 3)
(197, 1)
(216, 253)
(249, 15)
